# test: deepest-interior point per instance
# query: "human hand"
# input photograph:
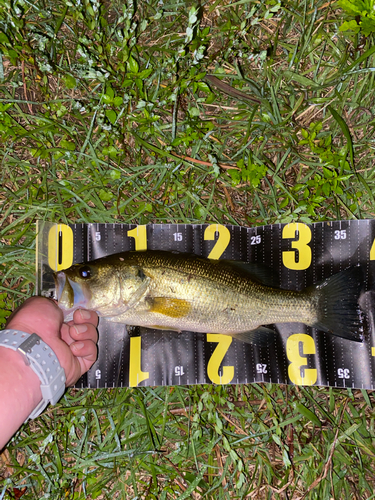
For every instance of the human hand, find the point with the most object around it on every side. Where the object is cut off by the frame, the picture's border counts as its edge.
(74, 343)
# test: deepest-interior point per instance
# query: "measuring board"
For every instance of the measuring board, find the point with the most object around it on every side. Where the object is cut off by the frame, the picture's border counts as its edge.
(300, 255)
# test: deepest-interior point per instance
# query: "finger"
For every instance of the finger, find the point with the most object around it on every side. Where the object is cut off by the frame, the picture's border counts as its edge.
(85, 316)
(72, 331)
(83, 331)
(86, 352)
(37, 315)
(65, 333)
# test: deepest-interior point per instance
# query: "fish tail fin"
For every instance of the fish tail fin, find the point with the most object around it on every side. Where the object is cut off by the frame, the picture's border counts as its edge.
(337, 304)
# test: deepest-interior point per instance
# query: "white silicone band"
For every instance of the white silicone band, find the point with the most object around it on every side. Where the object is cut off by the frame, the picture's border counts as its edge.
(42, 360)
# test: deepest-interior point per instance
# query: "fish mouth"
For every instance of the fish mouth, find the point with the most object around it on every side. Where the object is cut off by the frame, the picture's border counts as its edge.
(60, 280)
(70, 295)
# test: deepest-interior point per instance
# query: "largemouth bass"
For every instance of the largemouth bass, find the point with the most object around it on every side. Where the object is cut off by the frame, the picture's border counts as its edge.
(180, 292)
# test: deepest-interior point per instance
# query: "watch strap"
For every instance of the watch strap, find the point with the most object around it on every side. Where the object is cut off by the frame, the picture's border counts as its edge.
(42, 360)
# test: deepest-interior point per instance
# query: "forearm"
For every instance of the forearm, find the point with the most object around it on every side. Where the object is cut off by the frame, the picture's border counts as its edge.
(19, 393)
(73, 343)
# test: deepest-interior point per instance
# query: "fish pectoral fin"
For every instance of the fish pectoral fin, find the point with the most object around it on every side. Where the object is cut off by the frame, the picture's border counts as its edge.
(173, 308)
(260, 336)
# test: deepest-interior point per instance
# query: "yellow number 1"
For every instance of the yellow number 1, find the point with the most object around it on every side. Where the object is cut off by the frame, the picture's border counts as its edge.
(136, 375)
(139, 234)
(372, 251)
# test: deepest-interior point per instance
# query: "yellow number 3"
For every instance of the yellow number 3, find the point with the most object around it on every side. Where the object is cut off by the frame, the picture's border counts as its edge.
(298, 372)
(301, 245)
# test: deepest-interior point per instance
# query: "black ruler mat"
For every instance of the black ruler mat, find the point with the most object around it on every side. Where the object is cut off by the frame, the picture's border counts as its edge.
(300, 254)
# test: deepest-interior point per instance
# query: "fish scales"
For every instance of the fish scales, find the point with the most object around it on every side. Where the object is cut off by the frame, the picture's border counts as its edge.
(222, 300)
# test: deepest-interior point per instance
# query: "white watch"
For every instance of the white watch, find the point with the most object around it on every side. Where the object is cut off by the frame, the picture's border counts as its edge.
(42, 360)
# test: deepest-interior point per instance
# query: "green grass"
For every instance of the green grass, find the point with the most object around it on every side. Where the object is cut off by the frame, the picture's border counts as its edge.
(106, 115)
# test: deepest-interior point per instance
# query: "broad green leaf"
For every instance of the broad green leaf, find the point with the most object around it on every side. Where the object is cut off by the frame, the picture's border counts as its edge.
(111, 115)
(70, 81)
(345, 131)
(133, 66)
(105, 195)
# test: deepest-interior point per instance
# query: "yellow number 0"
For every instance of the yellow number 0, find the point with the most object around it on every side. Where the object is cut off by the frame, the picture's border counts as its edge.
(298, 363)
(60, 247)
(302, 245)
(222, 242)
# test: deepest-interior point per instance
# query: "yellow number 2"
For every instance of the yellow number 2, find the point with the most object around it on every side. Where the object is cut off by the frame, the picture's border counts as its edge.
(222, 242)
(301, 245)
(224, 341)
(298, 372)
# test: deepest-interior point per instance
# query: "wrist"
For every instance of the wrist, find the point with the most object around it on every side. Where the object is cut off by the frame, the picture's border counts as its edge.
(52, 341)
(20, 393)
(14, 371)
(42, 360)
(14, 324)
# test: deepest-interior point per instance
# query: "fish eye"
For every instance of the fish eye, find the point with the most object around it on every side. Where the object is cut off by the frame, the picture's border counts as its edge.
(85, 272)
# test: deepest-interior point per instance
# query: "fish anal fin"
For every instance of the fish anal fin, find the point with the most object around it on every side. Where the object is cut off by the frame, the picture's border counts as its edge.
(260, 336)
(168, 328)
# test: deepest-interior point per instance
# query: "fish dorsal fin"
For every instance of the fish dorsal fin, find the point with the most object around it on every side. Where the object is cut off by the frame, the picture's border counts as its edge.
(173, 308)
(257, 272)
